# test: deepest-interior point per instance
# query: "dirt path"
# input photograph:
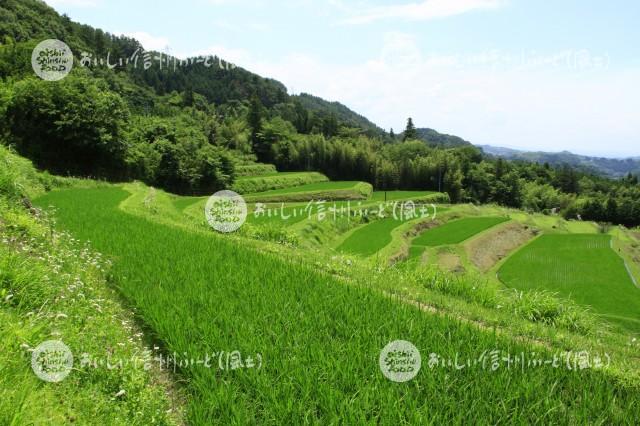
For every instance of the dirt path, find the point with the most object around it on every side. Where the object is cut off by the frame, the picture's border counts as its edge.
(484, 252)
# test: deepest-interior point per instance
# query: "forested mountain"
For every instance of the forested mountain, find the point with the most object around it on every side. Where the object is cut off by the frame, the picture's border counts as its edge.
(341, 112)
(185, 128)
(434, 138)
(613, 167)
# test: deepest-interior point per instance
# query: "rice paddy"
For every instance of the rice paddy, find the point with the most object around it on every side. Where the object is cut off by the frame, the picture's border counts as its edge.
(456, 231)
(319, 339)
(370, 238)
(582, 267)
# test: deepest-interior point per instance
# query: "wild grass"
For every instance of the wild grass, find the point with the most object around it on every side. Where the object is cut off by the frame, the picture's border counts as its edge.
(255, 169)
(52, 287)
(409, 195)
(319, 338)
(253, 184)
(328, 191)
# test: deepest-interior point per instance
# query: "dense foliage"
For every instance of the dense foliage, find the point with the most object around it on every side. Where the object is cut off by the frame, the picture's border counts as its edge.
(186, 129)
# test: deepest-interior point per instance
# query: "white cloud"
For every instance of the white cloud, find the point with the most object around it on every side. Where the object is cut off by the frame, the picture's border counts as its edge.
(149, 42)
(548, 107)
(428, 9)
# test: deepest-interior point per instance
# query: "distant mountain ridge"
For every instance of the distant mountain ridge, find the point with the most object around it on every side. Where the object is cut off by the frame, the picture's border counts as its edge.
(434, 138)
(612, 167)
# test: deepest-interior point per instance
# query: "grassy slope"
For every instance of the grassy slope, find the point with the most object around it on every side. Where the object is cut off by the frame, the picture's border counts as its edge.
(52, 287)
(320, 339)
(400, 195)
(321, 186)
(253, 184)
(255, 169)
(340, 190)
(579, 266)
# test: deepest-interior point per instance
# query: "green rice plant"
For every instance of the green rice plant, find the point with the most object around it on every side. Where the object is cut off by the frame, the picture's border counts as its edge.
(370, 238)
(320, 338)
(181, 203)
(580, 267)
(456, 231)
(376, 235)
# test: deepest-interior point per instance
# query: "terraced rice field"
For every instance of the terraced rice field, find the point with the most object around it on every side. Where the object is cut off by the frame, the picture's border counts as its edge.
(582, 267)
(456, 231)
(319, 338)
(373, 237)
(453, 232)
(181, 203)
(369, 239)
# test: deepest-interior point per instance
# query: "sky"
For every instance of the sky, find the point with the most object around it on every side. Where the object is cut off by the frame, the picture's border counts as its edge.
(535, 75)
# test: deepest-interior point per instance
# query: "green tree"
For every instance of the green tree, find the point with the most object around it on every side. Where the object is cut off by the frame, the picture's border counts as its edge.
(330, 125)
(410, 131)
(73, 126)
(254, 120)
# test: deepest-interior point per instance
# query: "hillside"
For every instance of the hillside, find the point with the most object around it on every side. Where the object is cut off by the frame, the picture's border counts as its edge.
(192, 245)
(605, 166)
(191, 128)
(341, 112)
(435, 138)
